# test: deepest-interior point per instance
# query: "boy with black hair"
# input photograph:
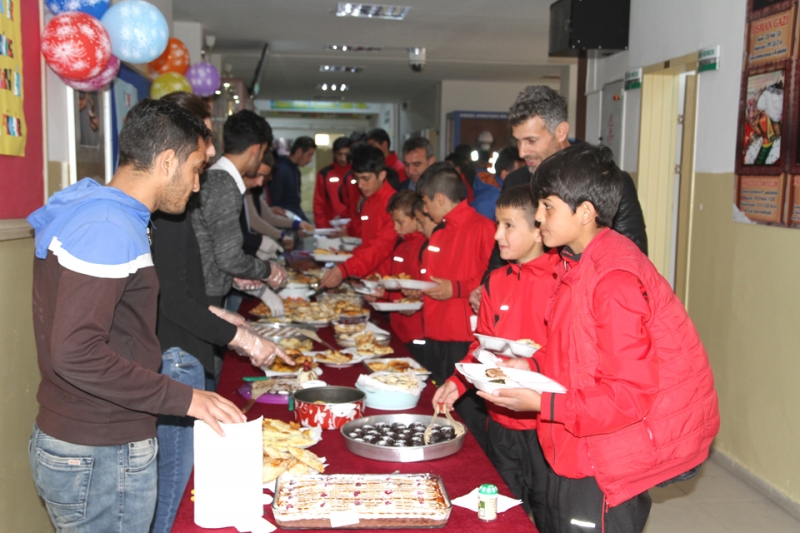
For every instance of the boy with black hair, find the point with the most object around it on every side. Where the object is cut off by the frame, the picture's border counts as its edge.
(640, 407)
(380, 139)
(328, 203)
(512, 307)
(456, 256)
(378, 236)
(425, 223)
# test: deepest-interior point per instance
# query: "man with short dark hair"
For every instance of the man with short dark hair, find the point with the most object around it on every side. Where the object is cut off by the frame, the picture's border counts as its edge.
(417, 157)
(246, 136)
(93, 447)
(328, 203)
(284, 189)
(380, 139)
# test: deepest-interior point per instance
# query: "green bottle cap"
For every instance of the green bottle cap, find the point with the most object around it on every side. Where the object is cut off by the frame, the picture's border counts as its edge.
(487, 489)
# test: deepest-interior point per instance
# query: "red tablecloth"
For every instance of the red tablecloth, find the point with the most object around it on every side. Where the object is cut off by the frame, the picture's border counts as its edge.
(461, 472)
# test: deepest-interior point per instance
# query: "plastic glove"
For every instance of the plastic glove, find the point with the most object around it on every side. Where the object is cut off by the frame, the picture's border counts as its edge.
(273, 301)
(260, 351)
(277, 275)
(228, 316)
(268, 249)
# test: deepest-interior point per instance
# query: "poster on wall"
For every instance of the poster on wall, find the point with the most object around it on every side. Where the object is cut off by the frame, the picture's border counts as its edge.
(793, 211)
(761, 8)
(770, 38)
(763, 108)
(13, 129)
(761, 198)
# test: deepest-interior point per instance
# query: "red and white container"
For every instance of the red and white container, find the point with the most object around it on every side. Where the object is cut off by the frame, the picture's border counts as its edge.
(327, 407)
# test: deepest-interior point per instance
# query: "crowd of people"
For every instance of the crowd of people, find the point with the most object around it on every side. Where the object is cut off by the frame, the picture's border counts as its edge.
(137, 284)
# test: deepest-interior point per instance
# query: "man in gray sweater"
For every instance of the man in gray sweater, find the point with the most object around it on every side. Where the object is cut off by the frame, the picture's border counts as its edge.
(218, 206)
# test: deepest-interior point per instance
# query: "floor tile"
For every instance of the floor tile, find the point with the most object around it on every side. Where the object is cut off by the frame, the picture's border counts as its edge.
(748, 517)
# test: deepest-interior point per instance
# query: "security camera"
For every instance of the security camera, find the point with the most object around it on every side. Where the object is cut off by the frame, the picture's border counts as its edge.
(416, 59)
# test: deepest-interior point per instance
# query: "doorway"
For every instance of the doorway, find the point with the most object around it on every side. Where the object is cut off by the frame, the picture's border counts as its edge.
(666, 165)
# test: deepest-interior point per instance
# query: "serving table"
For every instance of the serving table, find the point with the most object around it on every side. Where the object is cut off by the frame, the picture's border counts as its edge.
(461, 472)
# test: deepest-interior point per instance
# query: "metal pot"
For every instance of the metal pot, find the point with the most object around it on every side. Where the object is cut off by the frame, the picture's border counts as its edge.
(327, 407)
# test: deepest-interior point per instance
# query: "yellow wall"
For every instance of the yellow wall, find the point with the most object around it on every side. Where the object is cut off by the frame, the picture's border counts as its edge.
(21, 508)
(744, 294)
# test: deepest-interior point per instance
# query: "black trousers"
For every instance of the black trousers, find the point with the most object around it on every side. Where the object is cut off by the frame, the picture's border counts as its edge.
(418, 353)
(442, 357)
(518, 457)
(576, 506)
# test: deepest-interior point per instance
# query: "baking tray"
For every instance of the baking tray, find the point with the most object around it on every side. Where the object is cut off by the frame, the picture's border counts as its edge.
(407, 454)
(409, 522)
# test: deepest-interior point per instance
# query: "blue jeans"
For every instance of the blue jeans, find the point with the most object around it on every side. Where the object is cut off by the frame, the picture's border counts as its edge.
(175, 440)
(88, 489)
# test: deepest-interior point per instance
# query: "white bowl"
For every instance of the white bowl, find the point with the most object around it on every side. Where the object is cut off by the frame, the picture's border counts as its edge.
(493, 344)
(522, 350)
(313, 383)
(296, 293)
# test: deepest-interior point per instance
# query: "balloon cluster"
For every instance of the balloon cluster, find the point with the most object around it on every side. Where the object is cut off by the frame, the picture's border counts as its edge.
(86, 40)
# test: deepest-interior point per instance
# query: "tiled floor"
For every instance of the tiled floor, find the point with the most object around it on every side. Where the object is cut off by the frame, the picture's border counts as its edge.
(716, 502)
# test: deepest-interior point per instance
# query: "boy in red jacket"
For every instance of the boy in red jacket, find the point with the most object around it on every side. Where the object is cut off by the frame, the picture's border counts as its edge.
(512, 307)
(328, 203)
(640, 407)
(407, 325)
(378, 236)
(456, 256)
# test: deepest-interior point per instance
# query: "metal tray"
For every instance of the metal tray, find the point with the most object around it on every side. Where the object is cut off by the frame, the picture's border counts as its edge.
(408, 454)
(366, 524)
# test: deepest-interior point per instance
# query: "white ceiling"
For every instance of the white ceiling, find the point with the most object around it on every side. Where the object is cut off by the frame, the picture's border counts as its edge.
(498, 40)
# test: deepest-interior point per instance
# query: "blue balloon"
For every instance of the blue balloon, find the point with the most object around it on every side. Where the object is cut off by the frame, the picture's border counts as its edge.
(95, 8)
(138, 31)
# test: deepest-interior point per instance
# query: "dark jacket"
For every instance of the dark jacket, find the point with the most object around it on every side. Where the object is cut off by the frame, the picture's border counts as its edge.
(184, 320)
(284, 189)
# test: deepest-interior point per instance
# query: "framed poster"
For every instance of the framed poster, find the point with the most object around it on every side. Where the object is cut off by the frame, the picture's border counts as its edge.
(761, 8)
(763, 108)
(771, 38)
(761, 198)
(793, 210)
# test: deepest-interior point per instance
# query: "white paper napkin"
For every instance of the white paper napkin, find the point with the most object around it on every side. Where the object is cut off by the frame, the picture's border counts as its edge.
(470, 501)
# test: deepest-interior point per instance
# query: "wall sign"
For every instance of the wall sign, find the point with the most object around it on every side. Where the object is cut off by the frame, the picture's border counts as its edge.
(708, 59)
(761, 198)
(633, 79)
(13, 129)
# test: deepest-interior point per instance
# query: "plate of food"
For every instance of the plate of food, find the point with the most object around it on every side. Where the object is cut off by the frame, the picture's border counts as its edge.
(338, 222)
(367, 346)
(523, 347)
(337, 358)
(280, 369)
(398, 365)
(507, 347)
(296, 461)
(406, 304)
(390, 282)
(489, 378)
(281, 435)
(330, 256)
(261, 311)
(415, 284)
(272, 390)
(293, 343)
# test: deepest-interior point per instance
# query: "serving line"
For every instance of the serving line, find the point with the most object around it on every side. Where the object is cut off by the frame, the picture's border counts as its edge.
(461, 472)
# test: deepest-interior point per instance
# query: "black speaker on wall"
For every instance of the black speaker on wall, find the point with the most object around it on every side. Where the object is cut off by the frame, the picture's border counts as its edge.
(598, 26)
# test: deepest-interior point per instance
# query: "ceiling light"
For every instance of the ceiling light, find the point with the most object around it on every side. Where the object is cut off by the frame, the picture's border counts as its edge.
(354, 48)
(347, 9)
(340, 68)
(324, 87)
(322, 139)
(333, 87)
(340, 87)
(217, 92)
(226, 84)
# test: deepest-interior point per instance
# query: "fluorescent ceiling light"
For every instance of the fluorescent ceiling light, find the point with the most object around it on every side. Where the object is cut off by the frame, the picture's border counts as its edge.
(339, 87)
(375, 11)
(353, 48)
(322, 139)
(340, 68)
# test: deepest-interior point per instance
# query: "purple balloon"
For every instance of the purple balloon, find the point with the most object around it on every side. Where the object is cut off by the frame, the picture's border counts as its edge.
(204, 78)
(99, 81)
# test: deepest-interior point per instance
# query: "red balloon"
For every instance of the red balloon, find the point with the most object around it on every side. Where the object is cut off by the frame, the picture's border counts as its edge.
(174, 59)
(76, 46)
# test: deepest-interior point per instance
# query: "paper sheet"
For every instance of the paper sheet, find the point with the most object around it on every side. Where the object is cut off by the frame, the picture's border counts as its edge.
(227, 477)
(470, 501)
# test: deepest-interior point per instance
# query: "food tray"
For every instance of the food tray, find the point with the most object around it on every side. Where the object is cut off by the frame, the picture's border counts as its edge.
(391, 306)
(408, 454)
(276, 332)
(355, 521)
(331, 258)
(421, 372)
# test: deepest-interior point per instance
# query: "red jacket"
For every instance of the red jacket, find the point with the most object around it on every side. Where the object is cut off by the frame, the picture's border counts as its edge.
(512, 307)
(640, 406)
(351, 197)
(378, 236)
(458, 250)
(406, 259)
(327, 202)
(395, 163)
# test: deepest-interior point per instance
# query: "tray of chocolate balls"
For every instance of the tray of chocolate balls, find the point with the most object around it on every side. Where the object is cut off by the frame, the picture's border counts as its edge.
(399, 438)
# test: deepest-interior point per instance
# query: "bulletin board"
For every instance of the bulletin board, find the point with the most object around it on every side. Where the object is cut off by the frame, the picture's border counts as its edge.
(22, 176)
(768, 136)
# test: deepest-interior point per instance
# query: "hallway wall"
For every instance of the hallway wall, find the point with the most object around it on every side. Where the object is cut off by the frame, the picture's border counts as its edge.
(743, 285)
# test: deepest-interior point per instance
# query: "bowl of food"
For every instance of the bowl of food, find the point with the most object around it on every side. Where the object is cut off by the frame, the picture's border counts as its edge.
(391, 391)
(523, 347)
(327, 407)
